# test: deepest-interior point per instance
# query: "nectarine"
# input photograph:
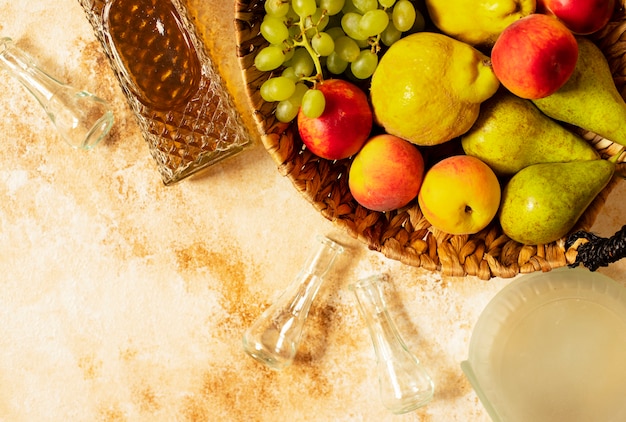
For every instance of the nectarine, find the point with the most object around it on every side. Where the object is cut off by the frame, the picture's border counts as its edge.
(343, 127)
(582, 17)
(386, 174)
(534, 56)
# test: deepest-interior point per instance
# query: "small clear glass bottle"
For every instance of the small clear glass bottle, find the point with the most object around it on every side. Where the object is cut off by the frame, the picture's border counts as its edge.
(181, 103)
(404, 383)
(82, 119)
(274, 337)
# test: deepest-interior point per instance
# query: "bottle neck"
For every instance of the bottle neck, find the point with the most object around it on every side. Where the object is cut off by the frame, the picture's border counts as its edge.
(320, 261)
(312, 274)
(374, 311)
(23, 68)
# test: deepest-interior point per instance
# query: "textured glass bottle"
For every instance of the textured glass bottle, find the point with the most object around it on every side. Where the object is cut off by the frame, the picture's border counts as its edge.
(81, 118)
(274, 337)
(182, 105)
(404, 383)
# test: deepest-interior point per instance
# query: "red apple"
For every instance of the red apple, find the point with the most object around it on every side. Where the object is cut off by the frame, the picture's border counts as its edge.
(460, 195)
(343, 127)
(386, 174)
(534, 56)
(582, 17)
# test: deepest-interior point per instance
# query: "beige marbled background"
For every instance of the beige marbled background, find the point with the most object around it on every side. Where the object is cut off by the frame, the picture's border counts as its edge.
(124, 300)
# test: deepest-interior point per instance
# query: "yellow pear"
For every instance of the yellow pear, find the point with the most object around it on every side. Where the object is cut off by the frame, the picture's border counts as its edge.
(428, 88)
(477, 22)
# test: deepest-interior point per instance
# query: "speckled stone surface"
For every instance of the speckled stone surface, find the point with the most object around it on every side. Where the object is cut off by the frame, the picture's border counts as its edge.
(125, 300)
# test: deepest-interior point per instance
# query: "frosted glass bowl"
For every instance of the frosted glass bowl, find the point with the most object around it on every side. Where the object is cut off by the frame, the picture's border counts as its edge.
(552, 347)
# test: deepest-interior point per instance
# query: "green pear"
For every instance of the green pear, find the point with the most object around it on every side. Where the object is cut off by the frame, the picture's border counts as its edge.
(543, 202)
(589, 99)
(511, 133)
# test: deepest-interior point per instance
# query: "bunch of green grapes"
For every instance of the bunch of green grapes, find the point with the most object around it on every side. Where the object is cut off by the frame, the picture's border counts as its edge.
(309, 39)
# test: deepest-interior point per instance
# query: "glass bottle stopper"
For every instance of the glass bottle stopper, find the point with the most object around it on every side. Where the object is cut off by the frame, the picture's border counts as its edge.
(81, 118)
(404, 384)
(274, 337)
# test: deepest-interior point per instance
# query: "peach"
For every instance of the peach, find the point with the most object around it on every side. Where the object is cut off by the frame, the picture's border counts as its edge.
(386, 174)
(534, 56)
(343, 127)
(460, 195)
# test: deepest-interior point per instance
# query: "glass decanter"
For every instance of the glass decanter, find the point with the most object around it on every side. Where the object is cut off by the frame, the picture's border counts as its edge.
(404, 383)
(82, 119)
(274, 337)
(182, 104)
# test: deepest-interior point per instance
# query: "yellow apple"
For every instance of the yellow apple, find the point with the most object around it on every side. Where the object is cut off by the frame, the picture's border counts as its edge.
(460, 195)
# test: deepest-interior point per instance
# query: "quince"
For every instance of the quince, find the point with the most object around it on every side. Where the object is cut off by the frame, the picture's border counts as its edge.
(428, 88)
(477, 23)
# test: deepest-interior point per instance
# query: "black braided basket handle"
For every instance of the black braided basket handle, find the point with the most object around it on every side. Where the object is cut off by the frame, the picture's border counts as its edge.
(598, 251)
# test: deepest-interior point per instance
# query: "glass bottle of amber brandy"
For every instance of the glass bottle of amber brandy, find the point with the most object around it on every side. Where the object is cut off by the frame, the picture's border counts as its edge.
(182, 105)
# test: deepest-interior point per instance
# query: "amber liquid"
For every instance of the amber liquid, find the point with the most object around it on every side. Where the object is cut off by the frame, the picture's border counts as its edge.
(183, 108)
(150, 41)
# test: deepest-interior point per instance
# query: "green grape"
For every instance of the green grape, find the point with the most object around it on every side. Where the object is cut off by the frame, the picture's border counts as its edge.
(362, 43)
(386, 3)
(269, 58)
(294, 32)
(290, 72)
(332, 7)
(277, 8)
(420, 23)
(365, 6)
(403, 15)
(313, 103)
(301, 89)
(323, 44)
(364, 65)
(373, 22)
(289, 52)
(303, 8)
(292, 16)
(335, 32)
(274, 30)
(390, 35)
(349, 7)
(350, 23)
(347, 48)
(302, 62)
(336, 64)
(316, 22)
(286, 111)
(277, 89)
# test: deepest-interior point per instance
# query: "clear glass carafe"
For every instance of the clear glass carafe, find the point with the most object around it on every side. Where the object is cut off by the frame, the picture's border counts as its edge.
(181, 103)
(274, 337)
(404, 383)
(82, 119)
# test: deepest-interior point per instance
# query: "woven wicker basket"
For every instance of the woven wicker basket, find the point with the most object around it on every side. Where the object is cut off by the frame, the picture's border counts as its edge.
(404, 234)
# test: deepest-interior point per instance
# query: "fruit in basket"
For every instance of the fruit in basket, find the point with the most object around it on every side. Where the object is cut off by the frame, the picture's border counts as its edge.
(477, 23)
(543, 202)
(428, 88)
(343, 127)
(590, 99)
(460, 195)
(580, 16)
(535, 56)
(386, 174)
(309, 40)
(511, 133)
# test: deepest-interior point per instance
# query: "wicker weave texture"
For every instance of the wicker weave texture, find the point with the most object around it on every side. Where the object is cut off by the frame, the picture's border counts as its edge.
(404, 234)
